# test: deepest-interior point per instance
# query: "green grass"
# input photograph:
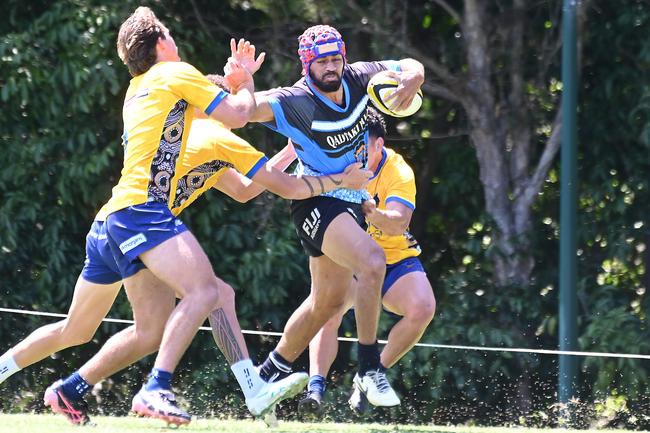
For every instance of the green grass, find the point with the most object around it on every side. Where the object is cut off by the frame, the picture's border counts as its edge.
(56, 424)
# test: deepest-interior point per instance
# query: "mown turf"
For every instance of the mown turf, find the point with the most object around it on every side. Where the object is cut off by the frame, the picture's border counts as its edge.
(26, 423)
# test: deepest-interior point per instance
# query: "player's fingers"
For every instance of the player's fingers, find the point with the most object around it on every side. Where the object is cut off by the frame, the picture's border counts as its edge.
(260, 59)
(233, 46)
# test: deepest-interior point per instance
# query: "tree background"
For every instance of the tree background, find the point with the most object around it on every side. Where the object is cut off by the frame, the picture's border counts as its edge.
(483, 148)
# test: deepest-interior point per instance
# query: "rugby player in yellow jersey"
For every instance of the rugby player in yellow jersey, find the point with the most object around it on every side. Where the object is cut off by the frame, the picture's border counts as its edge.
(146, 247)
(406, 290)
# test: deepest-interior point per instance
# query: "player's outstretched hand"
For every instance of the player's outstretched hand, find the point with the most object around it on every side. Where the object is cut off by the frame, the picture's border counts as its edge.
(355, 177)
(409, 84)
(244, 52)
(236, 75)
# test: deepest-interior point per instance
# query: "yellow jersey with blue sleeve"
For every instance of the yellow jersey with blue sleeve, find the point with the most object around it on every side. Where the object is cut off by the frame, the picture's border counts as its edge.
(158, 113)
(393, 181)
(211, 149)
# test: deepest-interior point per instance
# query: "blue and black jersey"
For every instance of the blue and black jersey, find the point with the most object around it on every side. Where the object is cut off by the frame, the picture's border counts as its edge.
(328, 137)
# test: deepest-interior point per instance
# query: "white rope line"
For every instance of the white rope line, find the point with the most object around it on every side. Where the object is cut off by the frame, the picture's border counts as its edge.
(347, 339)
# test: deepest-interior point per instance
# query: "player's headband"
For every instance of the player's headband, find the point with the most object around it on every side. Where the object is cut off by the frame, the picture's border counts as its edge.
(319, 41)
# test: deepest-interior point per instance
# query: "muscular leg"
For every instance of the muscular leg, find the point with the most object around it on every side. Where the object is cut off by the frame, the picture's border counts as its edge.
(350, 246)
(324, 347)
(226, 330)
(330, 285)
(411, 296)
(152, 302)
(90, 304)
(181, 264)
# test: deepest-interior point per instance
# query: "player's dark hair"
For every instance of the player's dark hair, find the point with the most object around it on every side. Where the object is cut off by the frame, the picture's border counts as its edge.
(376, 123)
(137, 39)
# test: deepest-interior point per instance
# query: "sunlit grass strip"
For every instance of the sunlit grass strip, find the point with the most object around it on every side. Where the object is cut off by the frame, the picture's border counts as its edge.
(29, 423)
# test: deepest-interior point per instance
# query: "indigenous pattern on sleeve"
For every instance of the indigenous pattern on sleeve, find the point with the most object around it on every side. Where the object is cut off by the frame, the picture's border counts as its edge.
(328, 137)
(394, 181)
(211, 149)
(158, 112)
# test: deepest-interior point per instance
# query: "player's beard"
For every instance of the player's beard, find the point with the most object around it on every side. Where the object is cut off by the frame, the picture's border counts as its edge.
(327, 86)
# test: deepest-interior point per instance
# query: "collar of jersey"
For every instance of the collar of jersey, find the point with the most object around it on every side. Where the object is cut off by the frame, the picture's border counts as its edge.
(384, 155)
(327, 100)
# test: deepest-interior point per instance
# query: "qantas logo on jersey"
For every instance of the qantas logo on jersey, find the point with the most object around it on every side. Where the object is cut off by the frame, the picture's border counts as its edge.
(348, 136)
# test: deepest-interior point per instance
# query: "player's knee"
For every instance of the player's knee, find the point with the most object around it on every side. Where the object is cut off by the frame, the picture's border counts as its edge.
(423, 312)
(371, 274)
(76, 336)
(226, 293)
(323, 310)
(210, 294)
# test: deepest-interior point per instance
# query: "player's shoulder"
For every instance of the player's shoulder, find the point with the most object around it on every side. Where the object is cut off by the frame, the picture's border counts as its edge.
(396, 164)
(172, 71)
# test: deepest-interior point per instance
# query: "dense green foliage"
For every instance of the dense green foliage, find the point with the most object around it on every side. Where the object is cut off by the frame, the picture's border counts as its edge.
(61, 90)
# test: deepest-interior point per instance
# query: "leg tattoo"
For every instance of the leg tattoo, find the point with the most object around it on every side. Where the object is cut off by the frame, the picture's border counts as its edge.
(225, 337)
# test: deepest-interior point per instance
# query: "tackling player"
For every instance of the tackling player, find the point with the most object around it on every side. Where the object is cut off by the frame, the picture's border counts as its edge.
(406, 290)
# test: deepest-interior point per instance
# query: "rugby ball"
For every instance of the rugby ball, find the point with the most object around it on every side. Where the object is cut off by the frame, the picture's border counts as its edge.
(381, 86)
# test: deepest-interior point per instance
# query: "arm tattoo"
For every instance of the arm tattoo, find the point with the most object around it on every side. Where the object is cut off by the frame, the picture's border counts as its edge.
(322, 187)
(334, 181)
(225, 337)
(311, 188)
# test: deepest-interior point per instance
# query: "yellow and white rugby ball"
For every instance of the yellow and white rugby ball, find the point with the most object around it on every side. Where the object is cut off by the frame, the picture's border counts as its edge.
(381, 86)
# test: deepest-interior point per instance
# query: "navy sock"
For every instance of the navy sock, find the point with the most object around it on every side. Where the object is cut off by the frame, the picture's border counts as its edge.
(382, 369)
(75, 387)
(274, 367)
(368, 357)
(317, 384)
(159, 380)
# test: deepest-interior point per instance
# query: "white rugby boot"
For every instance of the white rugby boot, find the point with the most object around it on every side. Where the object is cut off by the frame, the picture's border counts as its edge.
(272, 392)
(376, 388)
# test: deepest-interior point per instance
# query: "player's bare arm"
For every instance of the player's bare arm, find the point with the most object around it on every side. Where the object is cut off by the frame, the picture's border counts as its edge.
(411, 78)
(241, 188)
(235, 110)
(303, 187)
(262, 111)
(394, 220)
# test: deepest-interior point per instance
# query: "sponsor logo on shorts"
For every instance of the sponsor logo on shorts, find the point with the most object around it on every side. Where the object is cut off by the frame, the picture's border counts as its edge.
(353, 214)
(178, 223)
(132, 242)
(312, 223)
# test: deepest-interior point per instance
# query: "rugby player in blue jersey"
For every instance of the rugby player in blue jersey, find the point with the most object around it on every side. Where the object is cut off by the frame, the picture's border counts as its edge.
(324, 114)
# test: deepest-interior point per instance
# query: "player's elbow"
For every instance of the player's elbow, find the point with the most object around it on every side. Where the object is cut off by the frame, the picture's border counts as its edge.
(243, 197)
(238, 119)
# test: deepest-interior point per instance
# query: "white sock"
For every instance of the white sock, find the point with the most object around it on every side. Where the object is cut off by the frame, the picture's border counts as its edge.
(7, 366)
(247, 376)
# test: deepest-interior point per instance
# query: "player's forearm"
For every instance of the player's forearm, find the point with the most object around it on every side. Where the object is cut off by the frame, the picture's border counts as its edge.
(303, 187)
(262, 111)
(391, 222)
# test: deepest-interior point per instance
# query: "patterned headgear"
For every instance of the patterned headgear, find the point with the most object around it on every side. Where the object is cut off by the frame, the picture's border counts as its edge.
(319, 41)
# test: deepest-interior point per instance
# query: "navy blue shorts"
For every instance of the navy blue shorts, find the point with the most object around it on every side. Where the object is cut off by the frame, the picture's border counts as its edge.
(100, 266)
(397, 270)
(137, 229)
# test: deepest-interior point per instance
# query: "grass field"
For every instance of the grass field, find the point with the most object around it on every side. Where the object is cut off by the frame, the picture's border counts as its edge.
(56, 424)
